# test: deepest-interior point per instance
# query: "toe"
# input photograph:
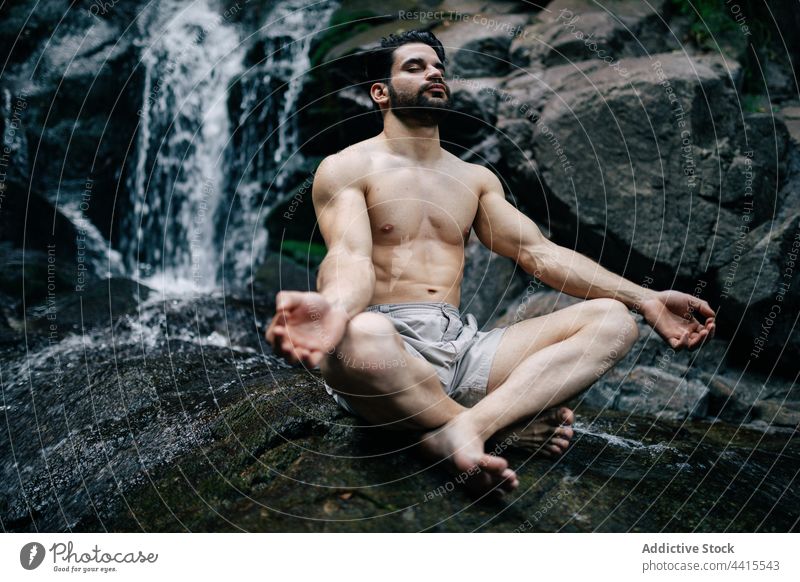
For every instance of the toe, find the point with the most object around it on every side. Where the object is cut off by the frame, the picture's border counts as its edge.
(560, 443)
(567, 416)
(493, 464)
(510, 481)
(564, 432)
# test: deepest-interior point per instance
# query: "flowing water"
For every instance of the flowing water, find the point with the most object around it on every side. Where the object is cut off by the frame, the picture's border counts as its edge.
(198, 191)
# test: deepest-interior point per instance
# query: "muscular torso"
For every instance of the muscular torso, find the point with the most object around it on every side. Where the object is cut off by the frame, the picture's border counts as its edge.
(421, 217)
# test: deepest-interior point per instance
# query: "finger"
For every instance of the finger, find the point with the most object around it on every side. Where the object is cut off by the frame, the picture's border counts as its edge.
(315, 358)
(697, 339)
(680, 341)
(287, 299)
(278, 319)
(286, 344)
(289, 353)
(705, 309)
(305, 355)
(282, 341)
(275, 334)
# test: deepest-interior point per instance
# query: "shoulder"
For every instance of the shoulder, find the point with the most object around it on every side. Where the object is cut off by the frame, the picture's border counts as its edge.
(347, 168)
(484, 179)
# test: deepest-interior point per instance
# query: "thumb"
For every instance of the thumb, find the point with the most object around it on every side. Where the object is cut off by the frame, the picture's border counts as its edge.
(287, 299)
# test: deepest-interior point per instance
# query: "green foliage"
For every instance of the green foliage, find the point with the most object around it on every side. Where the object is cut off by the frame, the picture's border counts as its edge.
(711, 20)
(303, 252)
(753, 103)
(343, 25)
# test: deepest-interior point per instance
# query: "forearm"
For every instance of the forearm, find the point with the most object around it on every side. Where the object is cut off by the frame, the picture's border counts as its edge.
(576, 275)
(346, 281)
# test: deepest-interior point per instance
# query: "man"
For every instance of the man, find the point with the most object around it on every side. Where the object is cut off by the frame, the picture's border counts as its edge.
(396, 211)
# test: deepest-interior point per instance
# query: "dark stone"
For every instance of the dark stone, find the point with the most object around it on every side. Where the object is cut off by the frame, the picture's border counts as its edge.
(490, 282)
(570, 31)
(280, 273)
(760, 301)
(478, 45)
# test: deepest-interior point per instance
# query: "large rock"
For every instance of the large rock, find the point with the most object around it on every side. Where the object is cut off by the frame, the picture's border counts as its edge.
(490, 283)
(477, 45)
(639, 163)
(576, 30)
(81, 91)
(652, 378)
(472, 121)
(650, 391)
(760, 298)
(282, 461)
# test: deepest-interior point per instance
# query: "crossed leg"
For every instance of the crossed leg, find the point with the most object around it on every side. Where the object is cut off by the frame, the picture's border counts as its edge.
(540, 363)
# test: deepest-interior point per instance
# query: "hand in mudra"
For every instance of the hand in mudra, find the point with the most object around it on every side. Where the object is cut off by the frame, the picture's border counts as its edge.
(305, 327)
(683, 321)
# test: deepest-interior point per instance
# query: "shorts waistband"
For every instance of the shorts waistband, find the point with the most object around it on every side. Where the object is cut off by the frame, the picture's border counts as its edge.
(432, 305)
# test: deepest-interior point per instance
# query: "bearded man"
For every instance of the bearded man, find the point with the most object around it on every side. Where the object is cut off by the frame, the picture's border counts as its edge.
(396, 212)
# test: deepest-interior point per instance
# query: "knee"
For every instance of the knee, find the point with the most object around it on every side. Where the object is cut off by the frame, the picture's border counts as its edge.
(368, 332)
(368, 338)
(615, 323)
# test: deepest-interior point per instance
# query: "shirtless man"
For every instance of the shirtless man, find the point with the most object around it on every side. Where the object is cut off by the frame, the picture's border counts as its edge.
(396, 211)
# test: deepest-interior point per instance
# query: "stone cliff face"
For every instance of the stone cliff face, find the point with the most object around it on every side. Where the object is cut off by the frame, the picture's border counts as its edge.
(665, 151)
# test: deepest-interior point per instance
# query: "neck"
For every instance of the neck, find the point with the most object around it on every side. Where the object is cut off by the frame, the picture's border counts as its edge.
(405, 138)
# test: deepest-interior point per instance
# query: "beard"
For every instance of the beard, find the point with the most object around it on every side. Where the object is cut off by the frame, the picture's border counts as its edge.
(419, 109)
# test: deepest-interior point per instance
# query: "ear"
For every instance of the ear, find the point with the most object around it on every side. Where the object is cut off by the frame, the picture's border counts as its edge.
(379, 93)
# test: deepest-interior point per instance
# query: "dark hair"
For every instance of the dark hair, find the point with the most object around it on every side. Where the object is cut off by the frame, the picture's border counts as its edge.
(378, 66)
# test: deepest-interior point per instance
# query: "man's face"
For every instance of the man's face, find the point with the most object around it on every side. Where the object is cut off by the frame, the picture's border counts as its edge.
(417, 90)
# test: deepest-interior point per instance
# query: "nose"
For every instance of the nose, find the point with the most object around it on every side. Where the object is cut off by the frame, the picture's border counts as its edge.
(433, 74)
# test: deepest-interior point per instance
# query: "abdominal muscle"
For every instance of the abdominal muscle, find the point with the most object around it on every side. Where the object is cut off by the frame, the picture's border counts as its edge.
(419, 271)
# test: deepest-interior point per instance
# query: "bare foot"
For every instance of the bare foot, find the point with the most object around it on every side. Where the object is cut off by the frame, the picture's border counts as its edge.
(548, 434)
(459, 445)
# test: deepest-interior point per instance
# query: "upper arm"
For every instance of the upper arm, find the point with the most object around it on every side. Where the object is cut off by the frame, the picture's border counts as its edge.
(341, 208)
(503, 228)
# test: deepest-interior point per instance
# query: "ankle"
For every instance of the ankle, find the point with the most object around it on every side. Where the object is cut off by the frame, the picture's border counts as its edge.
(469, 422)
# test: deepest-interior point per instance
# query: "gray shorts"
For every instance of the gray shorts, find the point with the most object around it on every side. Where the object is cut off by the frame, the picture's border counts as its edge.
(436, 332)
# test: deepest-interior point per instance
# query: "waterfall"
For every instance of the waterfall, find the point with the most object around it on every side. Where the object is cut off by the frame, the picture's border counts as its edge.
(190, 56)
(207, 166)
(267, 144)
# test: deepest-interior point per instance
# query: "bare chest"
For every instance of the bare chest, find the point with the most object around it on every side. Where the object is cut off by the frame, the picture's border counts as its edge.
(415, 204)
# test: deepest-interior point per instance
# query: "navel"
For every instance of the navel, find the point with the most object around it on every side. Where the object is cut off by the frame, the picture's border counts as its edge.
(387, 227)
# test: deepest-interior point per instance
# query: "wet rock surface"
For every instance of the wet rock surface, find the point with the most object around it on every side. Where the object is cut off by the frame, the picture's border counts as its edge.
(292, 462)
(177, 418)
